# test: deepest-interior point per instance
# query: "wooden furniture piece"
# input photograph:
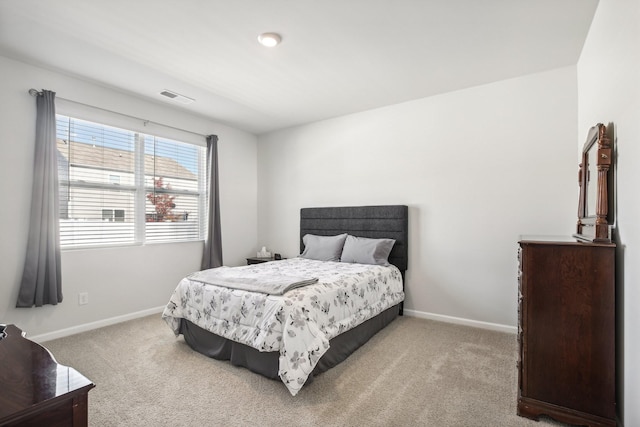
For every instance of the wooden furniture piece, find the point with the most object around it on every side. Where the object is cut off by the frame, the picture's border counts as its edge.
(566, 333)
(593, 180)
(35, 390)
(258, 260)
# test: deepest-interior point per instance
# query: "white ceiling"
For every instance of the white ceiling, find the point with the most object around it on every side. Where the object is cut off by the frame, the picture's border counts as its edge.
(337, 56)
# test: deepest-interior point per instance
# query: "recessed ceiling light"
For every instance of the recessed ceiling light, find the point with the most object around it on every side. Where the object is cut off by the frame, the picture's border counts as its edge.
(269, 39)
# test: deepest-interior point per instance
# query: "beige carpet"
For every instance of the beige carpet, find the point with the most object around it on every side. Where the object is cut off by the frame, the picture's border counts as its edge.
(413, 373)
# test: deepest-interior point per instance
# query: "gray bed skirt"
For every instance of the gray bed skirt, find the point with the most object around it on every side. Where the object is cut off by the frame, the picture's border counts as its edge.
(266, 363)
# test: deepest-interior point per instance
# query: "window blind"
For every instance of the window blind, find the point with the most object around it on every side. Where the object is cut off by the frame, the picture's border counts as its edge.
(119, 186)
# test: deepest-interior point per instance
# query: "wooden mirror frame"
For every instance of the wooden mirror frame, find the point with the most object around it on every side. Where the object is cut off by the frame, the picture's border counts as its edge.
(590, 227)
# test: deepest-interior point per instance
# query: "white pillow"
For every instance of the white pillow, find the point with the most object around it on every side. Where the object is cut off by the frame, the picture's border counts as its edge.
(323, 248)
(363, 250)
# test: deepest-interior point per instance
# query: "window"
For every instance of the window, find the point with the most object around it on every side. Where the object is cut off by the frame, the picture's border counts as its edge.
(113, 215)
(125, 187)
(107, 214)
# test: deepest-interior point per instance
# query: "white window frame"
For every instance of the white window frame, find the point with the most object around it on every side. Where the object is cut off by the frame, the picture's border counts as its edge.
(139, 189)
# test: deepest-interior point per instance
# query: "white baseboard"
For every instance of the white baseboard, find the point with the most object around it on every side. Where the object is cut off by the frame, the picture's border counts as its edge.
(118, 319)
(460, 321)
(94, 325)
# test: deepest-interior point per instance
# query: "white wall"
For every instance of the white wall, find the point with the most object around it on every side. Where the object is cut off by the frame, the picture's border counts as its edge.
(609, 93)
(477, 167)
(124, 280)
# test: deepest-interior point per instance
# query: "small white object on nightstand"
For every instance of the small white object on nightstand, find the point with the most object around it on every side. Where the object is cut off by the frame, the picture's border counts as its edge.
(263, 253)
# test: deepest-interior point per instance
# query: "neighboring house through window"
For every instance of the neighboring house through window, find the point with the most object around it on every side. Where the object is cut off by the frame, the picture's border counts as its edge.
(125, 187)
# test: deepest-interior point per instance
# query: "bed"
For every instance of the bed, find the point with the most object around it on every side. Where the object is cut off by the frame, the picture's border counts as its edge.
(308, 329)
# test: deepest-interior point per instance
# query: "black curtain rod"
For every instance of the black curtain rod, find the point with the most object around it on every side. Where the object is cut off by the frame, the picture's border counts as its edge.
(34, 92)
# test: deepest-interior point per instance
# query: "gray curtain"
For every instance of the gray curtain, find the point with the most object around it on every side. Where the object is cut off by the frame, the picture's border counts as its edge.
(212, 256)
(41, 279)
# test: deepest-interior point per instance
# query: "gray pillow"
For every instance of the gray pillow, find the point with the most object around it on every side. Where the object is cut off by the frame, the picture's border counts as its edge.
(367, 251)
(323, 248)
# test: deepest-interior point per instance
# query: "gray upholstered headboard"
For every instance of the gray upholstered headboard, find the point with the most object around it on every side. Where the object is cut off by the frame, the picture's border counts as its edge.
(391, 221)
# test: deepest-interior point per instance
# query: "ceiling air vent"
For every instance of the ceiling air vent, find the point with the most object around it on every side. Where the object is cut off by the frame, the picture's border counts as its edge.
(177, 97)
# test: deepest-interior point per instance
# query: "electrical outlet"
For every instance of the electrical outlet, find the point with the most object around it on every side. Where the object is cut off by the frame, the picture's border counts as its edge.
(83, 298)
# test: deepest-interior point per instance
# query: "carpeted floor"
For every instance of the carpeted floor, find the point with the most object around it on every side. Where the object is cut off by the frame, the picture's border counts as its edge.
(413, 373)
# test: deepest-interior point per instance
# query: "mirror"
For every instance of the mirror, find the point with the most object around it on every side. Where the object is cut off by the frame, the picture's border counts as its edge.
(591, 181)
(593, 175)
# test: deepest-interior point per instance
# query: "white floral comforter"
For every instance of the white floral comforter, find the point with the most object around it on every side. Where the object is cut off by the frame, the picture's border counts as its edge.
(298, 324)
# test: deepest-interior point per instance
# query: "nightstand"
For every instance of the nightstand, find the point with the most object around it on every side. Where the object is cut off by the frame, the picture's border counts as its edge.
(257, 260)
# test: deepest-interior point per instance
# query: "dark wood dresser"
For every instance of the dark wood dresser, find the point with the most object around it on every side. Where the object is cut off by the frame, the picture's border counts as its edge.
(566, 333)
(35, 390)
